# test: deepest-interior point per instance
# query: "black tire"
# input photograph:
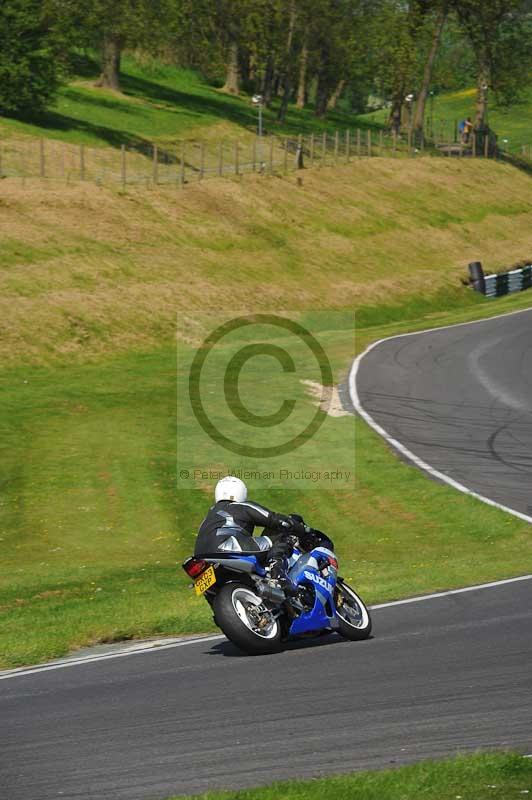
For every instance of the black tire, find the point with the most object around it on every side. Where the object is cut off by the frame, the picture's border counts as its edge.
(354, 621)
(231, 607)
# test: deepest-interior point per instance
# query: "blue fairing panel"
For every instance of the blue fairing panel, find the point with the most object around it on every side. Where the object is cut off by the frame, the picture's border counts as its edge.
(314, 620)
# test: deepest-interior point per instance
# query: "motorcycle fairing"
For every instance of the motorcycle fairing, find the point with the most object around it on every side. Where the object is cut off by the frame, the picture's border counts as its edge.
(322, 615)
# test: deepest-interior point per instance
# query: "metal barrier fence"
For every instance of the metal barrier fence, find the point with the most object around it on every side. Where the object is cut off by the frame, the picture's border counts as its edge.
(185, 161)
(500, 283)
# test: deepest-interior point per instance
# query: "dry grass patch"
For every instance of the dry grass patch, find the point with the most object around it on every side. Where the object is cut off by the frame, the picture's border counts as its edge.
(86, 270)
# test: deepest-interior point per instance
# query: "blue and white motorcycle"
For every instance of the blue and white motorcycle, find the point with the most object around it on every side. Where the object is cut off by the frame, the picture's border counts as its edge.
(256, 614)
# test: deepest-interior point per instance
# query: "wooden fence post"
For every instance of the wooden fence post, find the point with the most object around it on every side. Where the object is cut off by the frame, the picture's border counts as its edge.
(270, 169)
(155, 165)
(409, 141)
(474, 143)
(324, 149)
(254, 154)
(381, 141)
(369, 142)
(285, 162)
(358, 142)
(82, 162)
(123, 174)
(347, 143)
(336, 143)
(311, 149)
(299, 152)
(486, 145)
(394, 142)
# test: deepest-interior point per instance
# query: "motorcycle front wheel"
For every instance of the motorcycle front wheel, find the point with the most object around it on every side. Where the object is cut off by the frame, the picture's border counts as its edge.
(354, 621)
(246, 621)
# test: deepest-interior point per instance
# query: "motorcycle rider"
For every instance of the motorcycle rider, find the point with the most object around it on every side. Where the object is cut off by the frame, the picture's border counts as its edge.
(229, 526)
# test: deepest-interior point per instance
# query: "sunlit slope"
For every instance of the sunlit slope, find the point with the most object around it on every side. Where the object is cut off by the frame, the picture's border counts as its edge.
(86, 270)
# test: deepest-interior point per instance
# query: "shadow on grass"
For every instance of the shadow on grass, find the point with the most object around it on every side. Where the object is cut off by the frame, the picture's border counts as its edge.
(520, 163)
(52, 120)
(199, 104)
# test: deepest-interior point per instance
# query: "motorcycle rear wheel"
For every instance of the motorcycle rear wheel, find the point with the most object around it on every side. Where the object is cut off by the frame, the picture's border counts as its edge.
(354, 621)
(246, 621)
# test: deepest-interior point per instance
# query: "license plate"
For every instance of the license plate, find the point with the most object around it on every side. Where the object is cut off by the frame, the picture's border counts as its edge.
(205, 580)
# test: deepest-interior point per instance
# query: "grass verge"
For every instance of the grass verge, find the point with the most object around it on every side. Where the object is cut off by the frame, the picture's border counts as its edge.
(498, 776)
(92, 529)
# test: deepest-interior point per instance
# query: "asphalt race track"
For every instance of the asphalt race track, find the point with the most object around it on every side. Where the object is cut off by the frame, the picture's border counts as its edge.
(460, 399)
(442, 675)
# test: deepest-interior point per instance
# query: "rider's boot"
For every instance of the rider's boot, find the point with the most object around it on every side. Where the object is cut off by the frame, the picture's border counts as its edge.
(277, 569)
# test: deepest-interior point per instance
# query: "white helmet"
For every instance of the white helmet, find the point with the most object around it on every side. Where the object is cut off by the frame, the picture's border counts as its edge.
(230, 488)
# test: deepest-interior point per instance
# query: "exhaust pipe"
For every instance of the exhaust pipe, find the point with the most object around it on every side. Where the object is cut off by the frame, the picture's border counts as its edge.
(273, 593)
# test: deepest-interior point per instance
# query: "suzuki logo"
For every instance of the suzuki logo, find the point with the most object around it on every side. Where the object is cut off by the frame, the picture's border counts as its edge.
(320, 581)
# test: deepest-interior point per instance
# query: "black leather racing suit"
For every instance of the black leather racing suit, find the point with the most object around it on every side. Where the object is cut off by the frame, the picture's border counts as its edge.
(226, 520)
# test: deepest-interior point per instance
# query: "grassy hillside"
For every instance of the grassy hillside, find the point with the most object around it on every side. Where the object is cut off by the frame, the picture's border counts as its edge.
(94, 519)
(157, 103)
(98, 272)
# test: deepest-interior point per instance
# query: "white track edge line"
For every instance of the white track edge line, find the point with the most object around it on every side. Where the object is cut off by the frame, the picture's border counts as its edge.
(75, 662)
(353, 392)
(451, 592)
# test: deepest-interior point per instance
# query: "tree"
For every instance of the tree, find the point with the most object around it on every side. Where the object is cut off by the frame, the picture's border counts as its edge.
(497, 30)
(438, 25)
(110, 26)
(397, 66)
(31, 64)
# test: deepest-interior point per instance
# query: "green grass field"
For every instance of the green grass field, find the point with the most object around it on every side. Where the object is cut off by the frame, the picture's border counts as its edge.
(163, 103)
(158, 103)
(93, 528)
(94, 516)
(497, 776)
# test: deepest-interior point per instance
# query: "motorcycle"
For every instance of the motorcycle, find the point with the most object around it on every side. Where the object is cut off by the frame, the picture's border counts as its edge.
(258, 616)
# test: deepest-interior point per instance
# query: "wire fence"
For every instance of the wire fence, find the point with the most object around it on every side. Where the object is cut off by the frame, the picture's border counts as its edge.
(182, 162)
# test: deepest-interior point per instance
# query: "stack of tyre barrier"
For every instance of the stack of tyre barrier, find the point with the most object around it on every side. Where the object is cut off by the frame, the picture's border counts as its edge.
(515, 280)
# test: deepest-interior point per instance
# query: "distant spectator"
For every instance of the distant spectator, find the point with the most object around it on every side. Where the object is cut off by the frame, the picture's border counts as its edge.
(466, 130)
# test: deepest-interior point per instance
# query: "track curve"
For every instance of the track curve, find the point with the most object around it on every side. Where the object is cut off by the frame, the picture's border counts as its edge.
(458, 402)
(442, 675)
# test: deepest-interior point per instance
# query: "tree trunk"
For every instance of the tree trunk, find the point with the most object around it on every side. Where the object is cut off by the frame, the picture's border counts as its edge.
(419, 115)
(322, 96)
(266, 88)
(481, 109)
(285, 83)
(283, 108)
(333, 99)
(302, 80)
(396, 113)
(232, 75)
(111, 53)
